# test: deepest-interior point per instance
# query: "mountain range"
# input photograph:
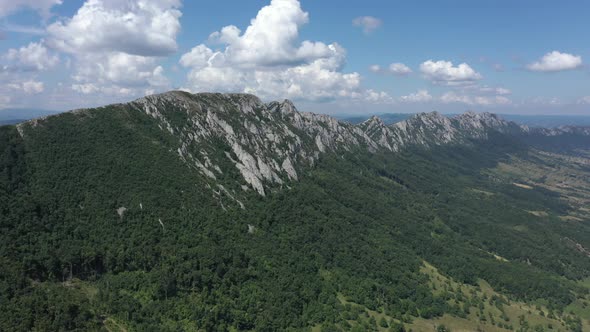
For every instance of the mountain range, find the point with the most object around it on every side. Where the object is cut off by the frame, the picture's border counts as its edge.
(267, 141)
(532, 120)
(212, 211)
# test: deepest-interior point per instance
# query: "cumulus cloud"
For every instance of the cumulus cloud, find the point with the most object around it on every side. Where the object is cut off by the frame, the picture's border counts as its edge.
(584, 100)
(8, 7)
(376, 97)
(268, 59)
(556, 61)
(119, 68)
(399, 69)
(452, 98)
(87, 88)
(367, 23)
(115, 46)
(33, 57)
(396, 68)
(28, 87)
(445, 73)
(145, 28)
(271, 39)
(418, 97)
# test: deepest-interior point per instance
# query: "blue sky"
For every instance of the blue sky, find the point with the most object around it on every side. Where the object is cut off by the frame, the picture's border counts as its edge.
(371, 56)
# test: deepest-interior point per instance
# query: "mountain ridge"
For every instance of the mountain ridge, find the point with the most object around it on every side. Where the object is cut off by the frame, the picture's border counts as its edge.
(270, 142)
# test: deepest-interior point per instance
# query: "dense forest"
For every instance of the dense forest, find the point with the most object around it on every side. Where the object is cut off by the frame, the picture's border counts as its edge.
(103, 227)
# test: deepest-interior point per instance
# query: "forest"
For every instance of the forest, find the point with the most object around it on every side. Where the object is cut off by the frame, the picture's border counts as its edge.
(103, 227)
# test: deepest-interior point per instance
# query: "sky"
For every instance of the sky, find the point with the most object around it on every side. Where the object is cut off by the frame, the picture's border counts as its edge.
(357, 57)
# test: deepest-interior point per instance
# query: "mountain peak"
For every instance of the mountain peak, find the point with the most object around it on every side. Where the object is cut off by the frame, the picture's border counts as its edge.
(479, 124)
(373, 121)
(429, 117)
(284, 107)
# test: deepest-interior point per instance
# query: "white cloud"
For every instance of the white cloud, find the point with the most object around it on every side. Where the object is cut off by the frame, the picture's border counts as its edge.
(496, 100)
(198, 57)
(318, 80)
(145, 28)
(503, 91)
(268, 60)
(443, 72)
(367, 23)
(399, 69)
(494, 90)
(8, 7)
(418, 97)
(33, 87)
(396, 68)
(375, 68)
(114, 47)
(271, 39)
(109, 90)
(452, 98)
(544, 101)
(376, 97)
(556, 61)
(118, 70)
(28, 87)
(584, 100)
(31, 57)
(87, 88)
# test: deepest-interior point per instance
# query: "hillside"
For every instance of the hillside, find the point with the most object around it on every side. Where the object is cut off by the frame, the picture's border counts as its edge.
(218, 212)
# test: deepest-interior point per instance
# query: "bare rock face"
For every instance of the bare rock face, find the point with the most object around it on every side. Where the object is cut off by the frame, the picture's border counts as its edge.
(266, 143)
(121, 211)
(478, 125)
(269, 144)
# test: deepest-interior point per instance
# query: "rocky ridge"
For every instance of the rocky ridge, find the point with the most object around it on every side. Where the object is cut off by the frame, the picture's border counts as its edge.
(269, 144)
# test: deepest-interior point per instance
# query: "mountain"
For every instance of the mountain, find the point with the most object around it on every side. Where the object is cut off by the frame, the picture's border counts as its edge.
(549, 121)
(219, 212)
(543, 121)
(388, 118)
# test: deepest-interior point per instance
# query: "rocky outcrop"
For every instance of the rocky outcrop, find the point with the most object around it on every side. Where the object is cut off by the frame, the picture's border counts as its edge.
(479, 125)
(266, 143)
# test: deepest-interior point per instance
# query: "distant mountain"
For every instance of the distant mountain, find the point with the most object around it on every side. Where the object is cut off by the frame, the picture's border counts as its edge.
(218, 212)
(546, 121)
(387, 118)
(11, 116)
(11, 122)
(549, 121)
